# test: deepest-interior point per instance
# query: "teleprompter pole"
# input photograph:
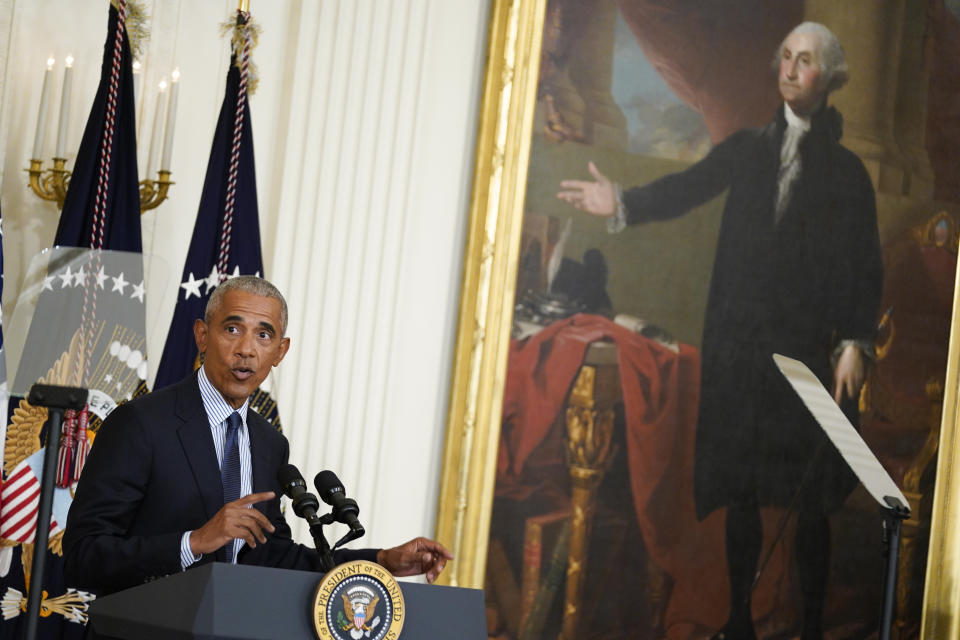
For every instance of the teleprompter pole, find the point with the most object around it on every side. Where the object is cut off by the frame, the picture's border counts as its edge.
(56, 400)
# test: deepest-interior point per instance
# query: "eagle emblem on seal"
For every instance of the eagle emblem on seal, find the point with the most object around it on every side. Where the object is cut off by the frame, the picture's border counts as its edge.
(359, 605)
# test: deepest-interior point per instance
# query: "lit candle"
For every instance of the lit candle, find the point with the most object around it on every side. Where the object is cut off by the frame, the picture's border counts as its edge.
(136, 84)
(155, 137)
(64, 110)
(171, 116)
(44, 103)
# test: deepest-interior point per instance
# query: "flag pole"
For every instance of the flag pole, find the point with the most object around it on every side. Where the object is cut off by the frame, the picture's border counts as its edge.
(243, 5)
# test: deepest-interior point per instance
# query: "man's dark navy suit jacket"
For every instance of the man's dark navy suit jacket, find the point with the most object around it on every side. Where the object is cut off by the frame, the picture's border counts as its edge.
(152, 474)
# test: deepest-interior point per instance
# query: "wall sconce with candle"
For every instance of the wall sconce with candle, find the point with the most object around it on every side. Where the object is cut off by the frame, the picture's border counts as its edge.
(153, 192)
(51, 184)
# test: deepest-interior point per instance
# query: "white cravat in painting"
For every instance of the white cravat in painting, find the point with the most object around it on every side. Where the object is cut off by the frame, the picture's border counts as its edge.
(790, 168)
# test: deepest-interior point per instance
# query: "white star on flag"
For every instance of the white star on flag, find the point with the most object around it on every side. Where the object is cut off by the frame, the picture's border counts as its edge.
(67, 277)
(48, 283)
(101, 277)
(138, 291)
(79, 277)
(191, 286)
(119, 283)
(236, 272)
(213, 279)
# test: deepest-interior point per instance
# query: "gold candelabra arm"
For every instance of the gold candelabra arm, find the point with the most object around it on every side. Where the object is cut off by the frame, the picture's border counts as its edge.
(153, 192)
(51, 184)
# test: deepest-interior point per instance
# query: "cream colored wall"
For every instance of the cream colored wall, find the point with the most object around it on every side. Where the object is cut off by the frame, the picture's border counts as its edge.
(364, 124)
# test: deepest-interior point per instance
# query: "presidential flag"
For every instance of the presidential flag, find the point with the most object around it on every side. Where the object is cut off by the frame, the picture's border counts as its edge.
(226, 235)
(88, 329)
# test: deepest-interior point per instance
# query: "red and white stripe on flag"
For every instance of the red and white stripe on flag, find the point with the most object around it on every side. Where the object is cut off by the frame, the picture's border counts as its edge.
(19, 503)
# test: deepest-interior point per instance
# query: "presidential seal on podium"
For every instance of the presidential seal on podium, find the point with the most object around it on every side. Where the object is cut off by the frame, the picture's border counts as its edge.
(358, 600)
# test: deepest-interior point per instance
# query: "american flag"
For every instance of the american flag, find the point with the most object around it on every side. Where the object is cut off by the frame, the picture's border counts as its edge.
(19, 500)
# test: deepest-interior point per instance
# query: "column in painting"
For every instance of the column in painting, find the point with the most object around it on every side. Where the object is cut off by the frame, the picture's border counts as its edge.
(872, 35)
(591, 71)
(560, 108)
(916, 59)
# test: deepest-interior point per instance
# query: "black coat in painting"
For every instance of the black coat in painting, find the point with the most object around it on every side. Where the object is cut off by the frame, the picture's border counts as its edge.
(797, 287)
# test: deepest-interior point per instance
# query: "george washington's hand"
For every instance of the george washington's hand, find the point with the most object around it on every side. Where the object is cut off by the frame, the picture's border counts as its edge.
(849, 375)
(598, 197)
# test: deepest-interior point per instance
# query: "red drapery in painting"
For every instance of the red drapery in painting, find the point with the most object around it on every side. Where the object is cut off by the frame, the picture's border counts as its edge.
(716, 56)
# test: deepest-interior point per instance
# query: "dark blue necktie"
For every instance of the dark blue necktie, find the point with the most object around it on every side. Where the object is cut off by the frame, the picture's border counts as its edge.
(230, 468)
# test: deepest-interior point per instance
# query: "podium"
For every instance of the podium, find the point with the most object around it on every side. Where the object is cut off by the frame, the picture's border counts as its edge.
(220, 601)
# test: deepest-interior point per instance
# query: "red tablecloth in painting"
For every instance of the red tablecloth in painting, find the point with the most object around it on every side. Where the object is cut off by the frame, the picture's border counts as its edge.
(660, 390)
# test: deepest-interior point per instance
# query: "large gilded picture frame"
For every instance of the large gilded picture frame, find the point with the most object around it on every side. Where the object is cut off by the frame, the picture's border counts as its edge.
(492, 258)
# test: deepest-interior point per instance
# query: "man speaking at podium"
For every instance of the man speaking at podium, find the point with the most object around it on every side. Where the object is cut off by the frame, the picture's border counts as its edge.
(151, 500)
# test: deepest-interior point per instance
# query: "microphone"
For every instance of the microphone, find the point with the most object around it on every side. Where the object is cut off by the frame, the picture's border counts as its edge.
(305, 504)
(345, 509)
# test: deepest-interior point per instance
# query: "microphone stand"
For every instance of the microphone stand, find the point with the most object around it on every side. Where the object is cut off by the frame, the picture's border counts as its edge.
(56, 400)
(320, 540)
(305, 505)
(893, 517)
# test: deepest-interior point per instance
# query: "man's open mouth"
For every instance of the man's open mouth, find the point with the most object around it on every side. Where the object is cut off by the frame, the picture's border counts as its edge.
(242, 373)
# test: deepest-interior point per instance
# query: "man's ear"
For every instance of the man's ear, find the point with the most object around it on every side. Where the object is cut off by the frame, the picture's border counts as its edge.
(284, 347)
(200, 335)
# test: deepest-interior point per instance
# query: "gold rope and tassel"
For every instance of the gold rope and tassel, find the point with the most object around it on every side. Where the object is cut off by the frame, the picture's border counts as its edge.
(72, 605)
(238, 38)
(136, 22)
(138, 30)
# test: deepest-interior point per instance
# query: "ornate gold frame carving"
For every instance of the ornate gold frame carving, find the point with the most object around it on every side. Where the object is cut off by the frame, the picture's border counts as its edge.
(486, 307)
(941, 600)
(490, 267)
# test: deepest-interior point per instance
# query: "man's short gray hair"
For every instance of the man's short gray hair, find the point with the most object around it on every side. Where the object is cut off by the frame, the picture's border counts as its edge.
(832, 59)
(247, 284)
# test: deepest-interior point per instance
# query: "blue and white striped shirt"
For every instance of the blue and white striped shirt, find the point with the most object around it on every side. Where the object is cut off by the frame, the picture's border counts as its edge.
(217, 412)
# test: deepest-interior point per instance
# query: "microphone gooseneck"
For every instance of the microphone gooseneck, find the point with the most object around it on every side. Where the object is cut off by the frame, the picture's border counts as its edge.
(345, 509)
(305, 505)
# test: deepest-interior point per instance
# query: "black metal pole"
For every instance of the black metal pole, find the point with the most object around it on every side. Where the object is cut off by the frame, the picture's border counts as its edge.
(42, 535)
(56, 399)
(321, 544)
(892, 520)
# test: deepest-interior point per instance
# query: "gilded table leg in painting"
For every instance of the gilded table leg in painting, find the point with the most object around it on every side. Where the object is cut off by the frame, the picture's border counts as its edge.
(905, 561)
(913, 490)
(589, 419)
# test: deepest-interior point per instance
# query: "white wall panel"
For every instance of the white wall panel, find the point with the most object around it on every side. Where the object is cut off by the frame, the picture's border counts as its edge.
(364, 125)
(6, 26)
